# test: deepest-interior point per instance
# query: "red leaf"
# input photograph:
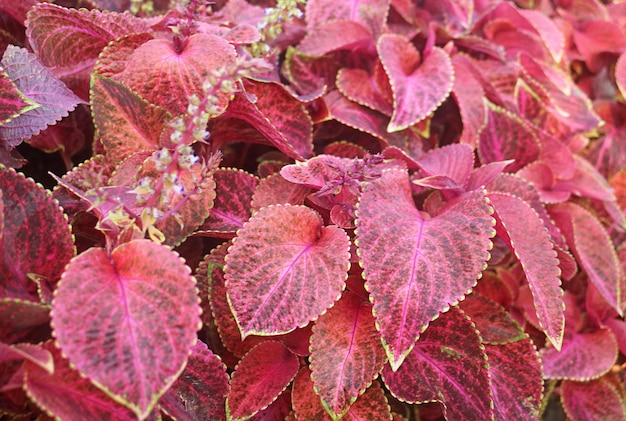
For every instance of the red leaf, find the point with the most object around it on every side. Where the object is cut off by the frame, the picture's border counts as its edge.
(125, 122)
(12, 101)
(233, 194)
(335, 35)
(269, 266)
(419, 85)
(594, 400)
(39, 86)
(358, 86)
(114, 315)
(372, 14)
(469, 96)
(447, 365)
(23, 321)
(67, 395)
(495, 324)
(35, 238)
(278, 410)
(306, 404)
(275, 190)
(346, 354)
(70, 40)
(200, 391)
(524, 231)
(592, 248)
(259, 378)
(584, 356)
(415, 266)
(454, 161)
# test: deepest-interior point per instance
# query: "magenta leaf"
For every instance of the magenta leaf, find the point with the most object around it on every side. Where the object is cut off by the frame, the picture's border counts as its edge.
(419, 85)
(415, 266)
(372, 14)
(448, 350)
(346, 353)
(69, 40)
(259, 378)
(371, 405)
(35, 238)
(12, 101)
(278, 410)
(39, 86)
(114, 314)
(584, 356)
(594, 400)
(233, 194)
(358, 86)
(200, 391)
(454, 161)
(495, 324)
(469, 95)
(520, 226)
(335, 35)
(125, 122)
(270, 263)
(620, 73)
(592, 248)
(67, 395)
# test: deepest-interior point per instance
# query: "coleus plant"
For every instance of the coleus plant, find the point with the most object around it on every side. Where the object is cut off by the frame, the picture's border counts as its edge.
(332, 210)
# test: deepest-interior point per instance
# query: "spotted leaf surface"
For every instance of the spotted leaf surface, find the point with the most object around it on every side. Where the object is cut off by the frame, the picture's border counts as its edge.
(594, 400)
(115, 315)
(419, 84)
(270, 265)
(416, 265)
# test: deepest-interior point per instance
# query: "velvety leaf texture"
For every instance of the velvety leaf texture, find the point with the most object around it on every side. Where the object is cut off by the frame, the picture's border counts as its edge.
(449, 349)
(595, 400)
(39, 85)
(415, 266)
(346, 353)
(270, 265)
(419, 85)
(35, 238)
(115, 315)
(259, 378)
(532, 245)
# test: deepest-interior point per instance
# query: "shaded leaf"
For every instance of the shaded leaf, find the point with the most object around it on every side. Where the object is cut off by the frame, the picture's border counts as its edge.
(594, 400)
(495, 324)
(22, 321)
(469, 94)
(416, 266)
(371, 405)
(306, 404)
(358, 86)
(372, 14)
(275, 190)
(114, 315)
(269, 266)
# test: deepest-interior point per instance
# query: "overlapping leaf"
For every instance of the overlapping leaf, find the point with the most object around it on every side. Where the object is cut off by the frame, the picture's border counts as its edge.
(23, 321)
(469, 95)
(270, 265)
(115, 314)
(12, 102)
(594, 400)
(416, 266)
(372, 14)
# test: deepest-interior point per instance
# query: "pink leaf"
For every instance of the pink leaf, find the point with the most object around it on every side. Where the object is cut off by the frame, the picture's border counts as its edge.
(372, 14)
(23, 321)
(39, 86)
(420, 85)
(620, 74)
(416, 266)
(200, 391)
(594, 400)
(469, 95)
(275, 190)
(12, 101)
(454, 161)
(335, 35)
(449, 350)
(115, 314)
(495, 324)
(358, 86)
(584, 356)
(259, 378)
(524, 231)
(346, 354)
(269, 266)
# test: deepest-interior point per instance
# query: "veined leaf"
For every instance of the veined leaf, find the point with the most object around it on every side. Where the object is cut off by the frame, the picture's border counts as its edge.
(415, 265)
(115, 314)
(306, 404)
(594, 400)
(469, 95)
(12, 101)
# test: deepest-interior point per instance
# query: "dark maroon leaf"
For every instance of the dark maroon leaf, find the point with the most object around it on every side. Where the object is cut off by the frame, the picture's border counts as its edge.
(594, 400)
(22, 321)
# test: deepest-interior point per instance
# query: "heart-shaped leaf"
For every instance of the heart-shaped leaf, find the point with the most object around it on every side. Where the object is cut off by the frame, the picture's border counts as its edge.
(594, 400)
(270, 265)
(346, 353)
(419, 85)
(448, 350)
(115, 314)
(416, 266)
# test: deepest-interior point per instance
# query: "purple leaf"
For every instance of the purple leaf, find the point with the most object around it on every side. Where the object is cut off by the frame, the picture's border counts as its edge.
(12, 101)
(372, 14)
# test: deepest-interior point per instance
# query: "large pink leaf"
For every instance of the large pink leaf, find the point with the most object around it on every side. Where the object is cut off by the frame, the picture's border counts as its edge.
(593, 250)
(447, 365)
(520, 226)
(115, 314)
(346, 353)
(416, 266)
(39, 86)
(35, 238)
(69, 40)
(200, 391)
(584, 356)
(594, 400)
(419, 85)
(125, 122)
(270, 265)
(259, 378)
(67, 395)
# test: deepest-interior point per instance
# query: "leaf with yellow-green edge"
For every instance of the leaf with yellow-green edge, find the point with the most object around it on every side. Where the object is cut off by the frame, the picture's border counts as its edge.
(24, 320)
(275, 190)
(417, 265)
(270, 265)
(306, 404)
(593, 400)
(12, 101)
(495, 324)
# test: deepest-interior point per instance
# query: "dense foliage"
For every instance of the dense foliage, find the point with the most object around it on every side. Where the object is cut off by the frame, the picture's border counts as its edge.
(375, 209)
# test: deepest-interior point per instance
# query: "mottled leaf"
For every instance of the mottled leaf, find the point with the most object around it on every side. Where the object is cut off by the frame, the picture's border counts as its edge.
(416, 266)
(495, 324)
(594, 400)
(469, 94)
(275, 190)
(259, 378)
(115, 314)
(12, 101)
(269, 266)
